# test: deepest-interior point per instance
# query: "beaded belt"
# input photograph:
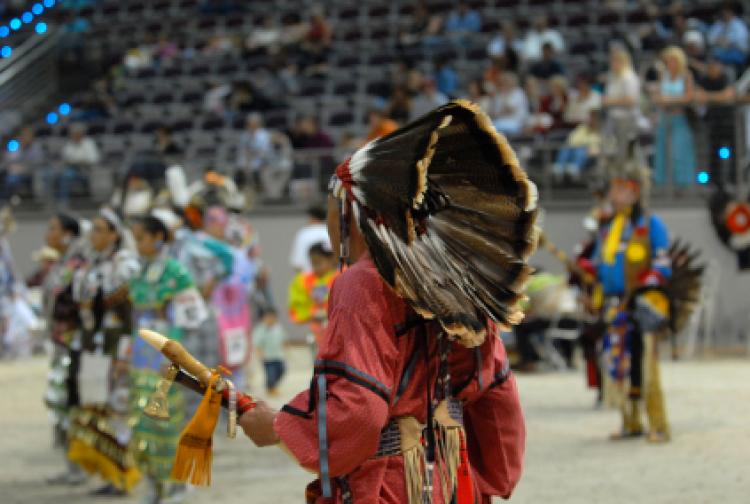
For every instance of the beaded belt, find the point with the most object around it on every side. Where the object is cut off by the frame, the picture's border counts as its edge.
(390, 440)
(390, 436)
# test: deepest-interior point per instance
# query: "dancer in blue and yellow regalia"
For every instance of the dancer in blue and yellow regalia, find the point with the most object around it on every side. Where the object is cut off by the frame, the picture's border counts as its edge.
(633, 265)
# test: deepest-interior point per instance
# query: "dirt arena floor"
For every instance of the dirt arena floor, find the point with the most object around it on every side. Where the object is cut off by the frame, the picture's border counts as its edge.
(568, 458)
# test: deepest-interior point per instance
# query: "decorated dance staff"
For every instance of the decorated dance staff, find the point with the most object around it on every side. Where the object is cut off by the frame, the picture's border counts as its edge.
(193, 460)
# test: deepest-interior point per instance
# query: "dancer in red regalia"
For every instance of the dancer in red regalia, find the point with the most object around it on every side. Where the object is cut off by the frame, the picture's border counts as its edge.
(412, 400)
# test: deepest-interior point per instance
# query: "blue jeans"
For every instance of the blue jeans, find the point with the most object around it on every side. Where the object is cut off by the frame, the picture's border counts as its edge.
(274, 371)
(62, 182)
(730, 56)
(574, 157)
(12, 183)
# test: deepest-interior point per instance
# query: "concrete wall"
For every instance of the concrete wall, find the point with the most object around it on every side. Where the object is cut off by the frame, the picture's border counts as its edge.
(562, 226)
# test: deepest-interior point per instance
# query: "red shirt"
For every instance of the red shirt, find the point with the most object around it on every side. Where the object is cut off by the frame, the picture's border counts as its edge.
(361, 337)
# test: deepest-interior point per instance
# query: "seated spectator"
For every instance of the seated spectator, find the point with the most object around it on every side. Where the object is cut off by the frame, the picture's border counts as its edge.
(583, 143)
(539, 34)
(275, 179)
(654, 34)
(165, 144)
(399, 108)
(79, 154)
(254, 150)
(165, 51)
(505, 41)
(141, 56)
(421, 29)
(462, 22)
(288, 77)
(73, 29)
(316, 44)
(414, 82)
(581, 101)
(380, 124)
(476, 93)
(245, 98)
(718, 94)
(556, 101)
(729, 36)
(308, 135)
(548, 66)
(219, 44)
(215, 99)
(496, 69)
(19, 165)
(97, 103)
(538, 121)
(507, 106)
(428, 99)
(264, 39)
(446, 77)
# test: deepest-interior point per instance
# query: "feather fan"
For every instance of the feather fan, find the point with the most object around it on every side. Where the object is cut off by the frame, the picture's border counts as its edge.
(448, 216)
(684, 286)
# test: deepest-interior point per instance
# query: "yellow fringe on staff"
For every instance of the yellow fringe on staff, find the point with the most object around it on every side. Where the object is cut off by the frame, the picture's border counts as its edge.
(194, 456)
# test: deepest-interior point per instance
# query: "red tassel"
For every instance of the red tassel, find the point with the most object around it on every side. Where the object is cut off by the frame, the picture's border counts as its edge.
(593, 380)
(464, 484)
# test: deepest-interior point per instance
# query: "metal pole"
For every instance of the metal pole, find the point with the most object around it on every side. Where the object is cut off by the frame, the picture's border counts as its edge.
(668, 165)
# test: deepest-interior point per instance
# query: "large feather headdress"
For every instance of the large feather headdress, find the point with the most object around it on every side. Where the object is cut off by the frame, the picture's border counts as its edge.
(448, 216)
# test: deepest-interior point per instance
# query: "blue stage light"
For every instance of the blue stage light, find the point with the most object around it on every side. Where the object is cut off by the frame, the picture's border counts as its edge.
(703, 177)
(15, 24)
(52, 118)
(6, 52)
(49, 3)
(4, 31)
(37, 9)
(41, 28)
(13, 145)
(64, 109)
(27, 17)
(725, 152)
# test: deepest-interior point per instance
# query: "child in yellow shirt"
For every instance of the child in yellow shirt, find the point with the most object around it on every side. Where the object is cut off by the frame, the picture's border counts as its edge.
(308, 292)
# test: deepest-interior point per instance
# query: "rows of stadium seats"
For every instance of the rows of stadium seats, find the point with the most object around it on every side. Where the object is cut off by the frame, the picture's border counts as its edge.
(365, 43)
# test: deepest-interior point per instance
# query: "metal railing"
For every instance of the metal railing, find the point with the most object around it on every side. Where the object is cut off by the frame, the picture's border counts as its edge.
(29, 78)
(721, 157)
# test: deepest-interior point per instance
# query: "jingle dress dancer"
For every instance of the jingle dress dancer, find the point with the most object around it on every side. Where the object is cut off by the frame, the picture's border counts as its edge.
(99, 433)
(63, 322)
(164, 299)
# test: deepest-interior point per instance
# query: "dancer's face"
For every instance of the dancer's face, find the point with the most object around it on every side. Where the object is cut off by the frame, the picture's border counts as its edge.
(623, 194)
(55, 234)
(102, 235)
(145, 242)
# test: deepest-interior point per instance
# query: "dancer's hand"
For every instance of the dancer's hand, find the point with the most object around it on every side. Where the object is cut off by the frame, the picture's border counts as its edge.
(258, 425)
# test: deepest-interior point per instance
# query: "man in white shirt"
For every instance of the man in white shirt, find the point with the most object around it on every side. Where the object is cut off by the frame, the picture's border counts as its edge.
(508, 106)
(539, 35)
(583, 99)
(79, 155)
(80, 151)
(314, 232)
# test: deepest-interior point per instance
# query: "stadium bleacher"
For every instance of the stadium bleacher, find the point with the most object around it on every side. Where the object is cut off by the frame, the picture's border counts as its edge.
(365, 48)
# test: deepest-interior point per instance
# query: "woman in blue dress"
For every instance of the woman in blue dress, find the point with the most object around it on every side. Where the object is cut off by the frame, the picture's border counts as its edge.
(674, 139)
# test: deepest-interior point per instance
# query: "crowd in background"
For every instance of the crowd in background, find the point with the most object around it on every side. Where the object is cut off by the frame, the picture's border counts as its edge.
(679, 95)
